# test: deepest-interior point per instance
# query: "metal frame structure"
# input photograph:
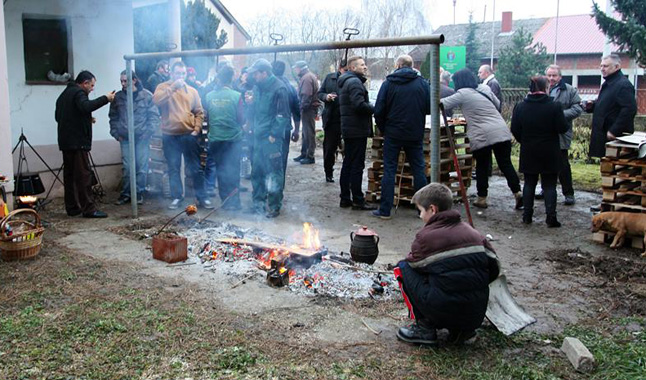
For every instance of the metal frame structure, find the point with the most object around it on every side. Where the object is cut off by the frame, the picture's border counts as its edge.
(433, 40)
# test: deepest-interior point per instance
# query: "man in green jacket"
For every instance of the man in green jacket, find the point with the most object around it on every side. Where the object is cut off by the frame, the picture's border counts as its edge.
(225, 112)
(271, 114)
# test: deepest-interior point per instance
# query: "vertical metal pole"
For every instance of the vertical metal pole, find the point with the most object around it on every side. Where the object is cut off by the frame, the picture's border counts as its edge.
(493, 31)
(435, 112)
(131, 140)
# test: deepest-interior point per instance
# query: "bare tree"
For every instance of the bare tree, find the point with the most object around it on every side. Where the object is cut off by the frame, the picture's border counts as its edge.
(375, 19)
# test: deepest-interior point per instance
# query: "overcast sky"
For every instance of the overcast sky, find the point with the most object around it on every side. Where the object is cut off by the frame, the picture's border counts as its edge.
(440, 12)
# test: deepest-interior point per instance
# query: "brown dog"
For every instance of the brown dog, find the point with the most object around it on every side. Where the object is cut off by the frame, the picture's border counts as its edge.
(622, 223)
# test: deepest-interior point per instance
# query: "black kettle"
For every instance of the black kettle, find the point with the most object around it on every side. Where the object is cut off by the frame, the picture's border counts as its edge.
(364, 245)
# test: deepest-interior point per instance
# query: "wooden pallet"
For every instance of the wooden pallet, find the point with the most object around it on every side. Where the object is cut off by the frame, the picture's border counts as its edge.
(606, 237)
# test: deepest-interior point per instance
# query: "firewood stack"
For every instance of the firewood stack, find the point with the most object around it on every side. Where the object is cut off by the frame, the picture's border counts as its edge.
(623, 182)
(404, 187)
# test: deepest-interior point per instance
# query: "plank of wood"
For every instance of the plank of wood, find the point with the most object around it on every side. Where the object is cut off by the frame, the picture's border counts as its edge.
(263, 245)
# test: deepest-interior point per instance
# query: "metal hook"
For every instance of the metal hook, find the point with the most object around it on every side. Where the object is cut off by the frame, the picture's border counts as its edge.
(276, 37)
(349, 32)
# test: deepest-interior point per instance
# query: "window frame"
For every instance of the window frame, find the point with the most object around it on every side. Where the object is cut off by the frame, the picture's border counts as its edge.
(68, 33)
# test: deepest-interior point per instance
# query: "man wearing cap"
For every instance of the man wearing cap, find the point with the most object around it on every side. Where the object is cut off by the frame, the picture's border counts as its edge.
(160, 75)
(356, 126)
(328, 94)
(271, 116)
(182, 116)
(308, 86)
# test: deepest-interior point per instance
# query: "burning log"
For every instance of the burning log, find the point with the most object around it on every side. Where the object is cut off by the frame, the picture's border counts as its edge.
(292, 255)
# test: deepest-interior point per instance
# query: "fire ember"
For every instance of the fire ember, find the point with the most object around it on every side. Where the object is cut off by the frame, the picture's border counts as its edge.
(303, 266)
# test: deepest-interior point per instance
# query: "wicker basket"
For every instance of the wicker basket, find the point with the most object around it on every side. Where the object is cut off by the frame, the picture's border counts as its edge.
(26, 238)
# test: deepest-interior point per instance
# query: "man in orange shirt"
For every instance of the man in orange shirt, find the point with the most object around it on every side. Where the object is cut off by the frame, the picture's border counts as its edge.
(182, 116)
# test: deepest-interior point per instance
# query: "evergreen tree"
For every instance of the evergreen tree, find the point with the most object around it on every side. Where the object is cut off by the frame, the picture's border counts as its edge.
(629, 33)
(471, 45)
(520, 60)
(200, 31)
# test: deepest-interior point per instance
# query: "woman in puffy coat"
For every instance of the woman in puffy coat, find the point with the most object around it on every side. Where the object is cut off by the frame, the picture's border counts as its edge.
(487, 132)
(536, 124)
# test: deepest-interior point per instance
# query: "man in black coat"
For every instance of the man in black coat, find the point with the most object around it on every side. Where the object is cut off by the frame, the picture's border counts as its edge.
(400, 113)
(74, 117)
(356, 126)
(615, 107)
(328, 94)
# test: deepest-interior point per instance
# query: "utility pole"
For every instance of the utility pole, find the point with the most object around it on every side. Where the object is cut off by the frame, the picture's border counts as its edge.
(493, 31)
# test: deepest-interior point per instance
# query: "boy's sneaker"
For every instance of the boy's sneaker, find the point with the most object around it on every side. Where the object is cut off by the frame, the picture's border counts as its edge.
(569, 200)
(379, 215)
(122, 200)
(418, 334)
(345, 203)
(459, 337)
(174, 204)
(140, 199)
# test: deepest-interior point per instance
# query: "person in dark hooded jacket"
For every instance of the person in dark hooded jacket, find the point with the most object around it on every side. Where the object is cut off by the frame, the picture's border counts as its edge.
(356, 126)
(146, 122)
(445, 278)
(400, 113)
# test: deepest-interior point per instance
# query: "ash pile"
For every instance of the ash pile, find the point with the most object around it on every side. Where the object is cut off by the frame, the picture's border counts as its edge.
(299, 264)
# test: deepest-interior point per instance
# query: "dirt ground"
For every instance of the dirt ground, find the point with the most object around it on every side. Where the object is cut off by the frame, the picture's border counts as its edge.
(559, 276)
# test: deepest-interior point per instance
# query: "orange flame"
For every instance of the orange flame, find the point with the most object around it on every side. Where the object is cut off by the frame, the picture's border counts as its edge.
(311, 237)
(28, 199)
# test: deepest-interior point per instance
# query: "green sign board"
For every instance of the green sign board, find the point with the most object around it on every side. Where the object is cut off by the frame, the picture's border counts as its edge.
(453, 58)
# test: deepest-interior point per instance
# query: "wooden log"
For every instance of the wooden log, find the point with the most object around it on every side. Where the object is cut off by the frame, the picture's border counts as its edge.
(259, 244)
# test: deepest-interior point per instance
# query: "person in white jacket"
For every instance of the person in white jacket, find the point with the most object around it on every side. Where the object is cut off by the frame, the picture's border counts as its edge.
(487, 133)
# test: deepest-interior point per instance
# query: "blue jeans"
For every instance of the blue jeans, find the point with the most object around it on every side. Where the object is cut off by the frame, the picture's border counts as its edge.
(210, 170)
(226, 163)
(187, 145)
(142, 154)
(415, 156)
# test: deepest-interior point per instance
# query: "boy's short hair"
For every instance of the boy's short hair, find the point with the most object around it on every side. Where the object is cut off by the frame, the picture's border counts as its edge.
(434, 194)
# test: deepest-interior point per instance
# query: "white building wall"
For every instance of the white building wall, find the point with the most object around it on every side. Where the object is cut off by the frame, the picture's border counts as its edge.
(101, 33)
(6, 167)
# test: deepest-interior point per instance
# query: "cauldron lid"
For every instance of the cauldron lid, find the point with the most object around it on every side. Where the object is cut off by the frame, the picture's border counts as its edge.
(364, 231)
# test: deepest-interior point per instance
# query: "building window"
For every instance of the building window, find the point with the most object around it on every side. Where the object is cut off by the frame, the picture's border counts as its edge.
(46, 43)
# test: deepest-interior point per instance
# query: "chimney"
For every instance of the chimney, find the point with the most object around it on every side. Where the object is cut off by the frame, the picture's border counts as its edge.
(506, 22)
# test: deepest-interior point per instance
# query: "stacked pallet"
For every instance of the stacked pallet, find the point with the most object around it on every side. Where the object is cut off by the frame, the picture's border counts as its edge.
(404, 188)
(623, 183)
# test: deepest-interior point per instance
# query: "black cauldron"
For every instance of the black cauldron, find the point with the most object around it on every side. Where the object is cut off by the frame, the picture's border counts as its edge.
(364, 245)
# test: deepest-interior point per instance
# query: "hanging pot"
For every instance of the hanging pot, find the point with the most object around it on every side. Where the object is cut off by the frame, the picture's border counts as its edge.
(364, 245)
(29, 184)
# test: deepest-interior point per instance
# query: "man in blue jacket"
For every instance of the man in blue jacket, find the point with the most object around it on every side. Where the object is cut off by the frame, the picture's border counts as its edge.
(400, 113)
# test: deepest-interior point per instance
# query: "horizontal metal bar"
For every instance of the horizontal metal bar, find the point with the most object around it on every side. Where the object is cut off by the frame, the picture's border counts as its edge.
(433, 39)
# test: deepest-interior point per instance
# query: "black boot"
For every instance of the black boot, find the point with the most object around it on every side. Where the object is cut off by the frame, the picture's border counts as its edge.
(552, 222)
(419, 333)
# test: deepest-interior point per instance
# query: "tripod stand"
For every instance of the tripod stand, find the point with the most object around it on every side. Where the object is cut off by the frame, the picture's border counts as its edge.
(22, 140)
